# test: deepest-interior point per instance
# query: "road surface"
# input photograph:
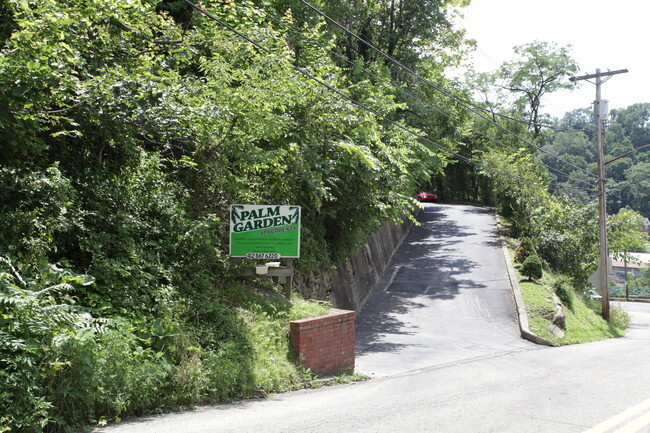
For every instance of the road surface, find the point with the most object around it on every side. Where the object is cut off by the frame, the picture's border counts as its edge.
(445, 297)
(446, 357)
(599, 387)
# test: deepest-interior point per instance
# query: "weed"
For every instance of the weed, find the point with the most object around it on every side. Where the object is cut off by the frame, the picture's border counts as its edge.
(582, 320)
(565, 292)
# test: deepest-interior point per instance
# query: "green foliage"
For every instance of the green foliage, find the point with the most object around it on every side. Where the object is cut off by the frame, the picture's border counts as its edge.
(128, 129)
(62, 367)
(638, 181)
(525, 249)
(625, 235)
(641, 285)
(567, 237)
(34, 206)
(583, 321)
(619, 318)
(564, 290)
(36, 320)
(532, 268)
(539, 69)
(568, 153)
(564, 231)
(517, 200)
(565, 151)
(7, 22)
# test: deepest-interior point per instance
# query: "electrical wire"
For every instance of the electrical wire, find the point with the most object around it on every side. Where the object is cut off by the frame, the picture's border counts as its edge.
(468, 105)
(402, 91)
(368, 109)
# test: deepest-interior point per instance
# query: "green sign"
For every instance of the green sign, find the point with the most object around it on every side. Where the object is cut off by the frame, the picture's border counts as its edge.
(264, 231)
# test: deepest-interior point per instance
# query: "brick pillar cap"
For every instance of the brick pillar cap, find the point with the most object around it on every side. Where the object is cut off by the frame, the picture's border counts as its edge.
(334, 312)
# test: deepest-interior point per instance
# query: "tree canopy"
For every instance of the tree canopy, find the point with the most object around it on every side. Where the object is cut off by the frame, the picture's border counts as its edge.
(129, 128)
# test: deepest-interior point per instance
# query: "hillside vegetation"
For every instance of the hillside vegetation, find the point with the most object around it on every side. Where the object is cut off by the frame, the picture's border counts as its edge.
(583, 322)
(127, 130)
(628, 131)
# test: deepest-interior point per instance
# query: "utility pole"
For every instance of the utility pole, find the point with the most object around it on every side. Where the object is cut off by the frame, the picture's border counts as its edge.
(602, 211)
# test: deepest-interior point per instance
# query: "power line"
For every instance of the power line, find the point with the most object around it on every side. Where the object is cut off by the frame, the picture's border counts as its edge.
(404, 92)
(468, 105)
(602, 202)
(368, 109)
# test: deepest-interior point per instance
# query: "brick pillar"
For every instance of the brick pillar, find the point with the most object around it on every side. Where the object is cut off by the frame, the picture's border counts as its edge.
(325, 344)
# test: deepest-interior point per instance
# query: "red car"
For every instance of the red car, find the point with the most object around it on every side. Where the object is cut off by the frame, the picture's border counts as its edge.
(427, 196)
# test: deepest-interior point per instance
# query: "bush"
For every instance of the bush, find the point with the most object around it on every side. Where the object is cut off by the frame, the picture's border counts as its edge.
(525, 249)
(619, 318)
(35, 206)
(532, 268)
(564, 291)
(106, 375)
(36, 320)
(60, 367)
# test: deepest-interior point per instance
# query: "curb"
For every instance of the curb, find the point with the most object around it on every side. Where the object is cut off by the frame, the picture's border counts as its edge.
(522, 316)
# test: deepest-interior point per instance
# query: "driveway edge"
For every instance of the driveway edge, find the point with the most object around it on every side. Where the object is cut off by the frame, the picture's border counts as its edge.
(522, 315)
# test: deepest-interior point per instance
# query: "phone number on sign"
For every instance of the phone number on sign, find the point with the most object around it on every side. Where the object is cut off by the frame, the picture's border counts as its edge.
(263, 256)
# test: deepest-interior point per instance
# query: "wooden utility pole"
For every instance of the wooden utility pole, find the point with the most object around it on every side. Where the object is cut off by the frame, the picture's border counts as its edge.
(602, 211)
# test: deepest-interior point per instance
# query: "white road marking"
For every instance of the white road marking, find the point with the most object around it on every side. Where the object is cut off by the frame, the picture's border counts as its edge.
(392, 277)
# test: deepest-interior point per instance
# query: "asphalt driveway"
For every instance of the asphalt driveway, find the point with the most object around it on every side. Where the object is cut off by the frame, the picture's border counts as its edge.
(444, 297)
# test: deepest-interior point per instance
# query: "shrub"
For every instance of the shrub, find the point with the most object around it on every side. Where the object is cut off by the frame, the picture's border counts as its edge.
(35, 206)
(525, 249)
(532, 268)
(564, 291)
(36, 319)
(619, 318)
(60, 367)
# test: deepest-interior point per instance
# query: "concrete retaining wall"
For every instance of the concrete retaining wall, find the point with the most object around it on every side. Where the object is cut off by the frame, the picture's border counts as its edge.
(349, 285)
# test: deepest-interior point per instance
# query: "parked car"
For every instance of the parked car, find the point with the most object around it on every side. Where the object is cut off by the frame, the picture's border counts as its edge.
(427, 196)
(594, 294)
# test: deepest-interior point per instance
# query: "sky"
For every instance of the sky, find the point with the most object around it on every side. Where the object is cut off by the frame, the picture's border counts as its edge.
(608, 35)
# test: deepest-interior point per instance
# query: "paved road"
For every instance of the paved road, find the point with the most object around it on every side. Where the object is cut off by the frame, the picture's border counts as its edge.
(444, 298)
(599, 387)
(447, 356)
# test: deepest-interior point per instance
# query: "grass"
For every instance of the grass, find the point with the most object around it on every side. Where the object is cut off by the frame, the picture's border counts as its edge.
(583, 320)
(265, 314)
(266, 318)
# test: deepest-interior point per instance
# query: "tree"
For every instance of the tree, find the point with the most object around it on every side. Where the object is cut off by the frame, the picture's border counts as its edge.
(525, 249)
(541, 68)
(7, 22)
(532, 268)
(519, 184)
(635, 120)
(628, 181)
(638, 180)
(564, 153)
(566, 236)
(626, 235)
(581, 119)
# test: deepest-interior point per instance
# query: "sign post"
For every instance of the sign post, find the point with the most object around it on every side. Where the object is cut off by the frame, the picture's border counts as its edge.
(267, 232)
